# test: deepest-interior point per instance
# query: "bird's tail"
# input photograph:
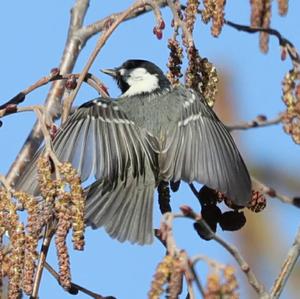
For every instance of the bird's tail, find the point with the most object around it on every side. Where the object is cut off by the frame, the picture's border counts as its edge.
(125, 211)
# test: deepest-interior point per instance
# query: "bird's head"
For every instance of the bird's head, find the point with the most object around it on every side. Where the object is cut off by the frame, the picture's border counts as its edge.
(137, 76)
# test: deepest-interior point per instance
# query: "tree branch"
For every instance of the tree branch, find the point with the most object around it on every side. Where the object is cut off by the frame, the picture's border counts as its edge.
(244, 266)
(294, 55)
(70, 54)
(75, 288)
(48, 234)
(286, 268)
(90, 79)
(90, 30)
(258, 122)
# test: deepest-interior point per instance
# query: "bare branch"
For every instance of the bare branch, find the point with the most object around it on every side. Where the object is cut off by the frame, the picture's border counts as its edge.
(179, 23)
(259, 122)
(294, 55)
(244, 266)
(286, 268)
(90, 30)
(70, 54)
(48, 234)
(75, 288)
(54, 76)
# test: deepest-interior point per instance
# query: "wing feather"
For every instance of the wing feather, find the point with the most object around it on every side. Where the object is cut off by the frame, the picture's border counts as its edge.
(202, 149)
(99, 140)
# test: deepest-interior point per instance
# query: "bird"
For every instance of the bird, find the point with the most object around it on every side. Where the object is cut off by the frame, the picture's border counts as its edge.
(153, 132)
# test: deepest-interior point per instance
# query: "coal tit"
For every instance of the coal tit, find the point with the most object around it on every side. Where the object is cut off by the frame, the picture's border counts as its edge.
(153, 132)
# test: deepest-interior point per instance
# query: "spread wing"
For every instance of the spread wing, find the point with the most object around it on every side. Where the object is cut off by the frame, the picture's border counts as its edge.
(200, 148)
(99, 140)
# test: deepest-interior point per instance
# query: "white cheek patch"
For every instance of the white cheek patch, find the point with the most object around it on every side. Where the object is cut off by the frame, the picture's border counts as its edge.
(140, 81)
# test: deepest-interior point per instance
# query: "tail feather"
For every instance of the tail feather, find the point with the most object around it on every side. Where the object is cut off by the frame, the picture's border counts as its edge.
(101, 211)
(125, 211)
(122, 216)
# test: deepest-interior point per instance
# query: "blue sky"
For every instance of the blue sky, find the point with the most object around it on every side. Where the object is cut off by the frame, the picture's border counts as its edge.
(33, 35)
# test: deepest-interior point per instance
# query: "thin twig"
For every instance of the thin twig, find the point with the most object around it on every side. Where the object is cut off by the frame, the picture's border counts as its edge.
(244, 266)
(210, 262)
(90, 30)
(75, 288)
(197, 281)
(89, 79)
(259, 186)
(40, 113)
(179, 23)
(258, 122)
(294, 55)
(286, 268)
(48, 234)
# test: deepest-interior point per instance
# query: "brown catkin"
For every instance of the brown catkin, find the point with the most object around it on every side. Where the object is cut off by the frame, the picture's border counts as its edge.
(10, 223)
(46, 181)
(210, 82)
(163, 270)
(291, 125)
(291, 98)
(17, 239)
(175, 61)
(207, 12)
(213, 286)
(63, 227)
(176, 278)
(78, 201)
(1, 261)
(6, 264)
(283, 6)
(258, 202)
(33, 229)
(191, 14)
(256, 12)
(231, 284)
(193, 72)
(266, 20)
(218, 17)
(222, 283)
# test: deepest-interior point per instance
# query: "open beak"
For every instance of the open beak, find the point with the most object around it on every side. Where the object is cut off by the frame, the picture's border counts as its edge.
(110, 72)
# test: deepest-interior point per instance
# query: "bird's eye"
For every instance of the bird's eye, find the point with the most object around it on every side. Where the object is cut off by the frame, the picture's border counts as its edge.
(122, 72)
